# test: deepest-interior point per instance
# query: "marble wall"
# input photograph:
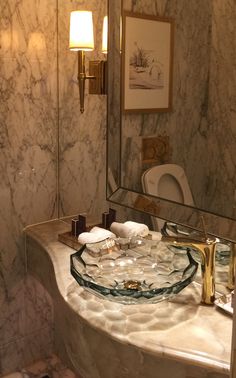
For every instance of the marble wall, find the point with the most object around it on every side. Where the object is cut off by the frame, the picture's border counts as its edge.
(28, 143)
(38, 102)
(200, 126)
(41, 178)
(82, 148)
(221, 136)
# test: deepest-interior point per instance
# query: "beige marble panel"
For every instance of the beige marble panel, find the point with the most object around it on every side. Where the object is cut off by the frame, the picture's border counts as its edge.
(221, 159)
(38, 308)
(82, 136)
(28, 140)
(22, 352)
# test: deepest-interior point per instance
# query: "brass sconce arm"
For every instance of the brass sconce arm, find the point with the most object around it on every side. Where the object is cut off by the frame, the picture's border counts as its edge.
(82, 77)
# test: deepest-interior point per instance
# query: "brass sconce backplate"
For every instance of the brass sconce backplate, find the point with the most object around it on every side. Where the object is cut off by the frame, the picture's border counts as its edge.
(98, 69)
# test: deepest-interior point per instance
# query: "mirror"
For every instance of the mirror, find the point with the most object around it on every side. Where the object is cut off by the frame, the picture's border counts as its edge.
(199, 131)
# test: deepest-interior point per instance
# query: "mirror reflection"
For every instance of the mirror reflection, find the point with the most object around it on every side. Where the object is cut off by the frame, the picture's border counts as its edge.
(197, 135)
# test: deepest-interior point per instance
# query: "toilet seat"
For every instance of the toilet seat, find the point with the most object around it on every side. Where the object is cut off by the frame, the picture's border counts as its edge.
(167, 181)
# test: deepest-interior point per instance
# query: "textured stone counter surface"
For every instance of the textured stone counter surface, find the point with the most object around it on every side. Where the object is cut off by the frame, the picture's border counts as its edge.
(101, 339)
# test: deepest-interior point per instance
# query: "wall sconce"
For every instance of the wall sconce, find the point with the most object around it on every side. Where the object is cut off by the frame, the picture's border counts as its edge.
(81, 40)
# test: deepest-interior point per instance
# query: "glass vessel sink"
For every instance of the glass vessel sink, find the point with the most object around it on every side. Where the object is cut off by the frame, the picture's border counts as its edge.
(133, 271)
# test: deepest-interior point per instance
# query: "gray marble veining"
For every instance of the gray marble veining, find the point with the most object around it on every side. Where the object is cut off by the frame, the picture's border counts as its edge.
(29, 113)
(38, 101)
(222, 108)
(50, 367)
(28, 140)
(82, 144)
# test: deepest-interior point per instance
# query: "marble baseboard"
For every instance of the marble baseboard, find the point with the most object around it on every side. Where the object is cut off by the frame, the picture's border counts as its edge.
(19, 353)
(51, 366)
(25, 351)
(25, 309)
(26, 326)
(12, 314)
(39, 312)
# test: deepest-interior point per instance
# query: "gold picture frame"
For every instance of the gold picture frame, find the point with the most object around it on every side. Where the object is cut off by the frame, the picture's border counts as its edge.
(147, 63)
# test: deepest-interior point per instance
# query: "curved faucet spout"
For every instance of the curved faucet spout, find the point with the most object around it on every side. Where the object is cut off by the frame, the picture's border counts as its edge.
(207, 249)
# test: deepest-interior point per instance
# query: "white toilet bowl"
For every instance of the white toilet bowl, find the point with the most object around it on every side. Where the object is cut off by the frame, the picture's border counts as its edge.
(167, 181)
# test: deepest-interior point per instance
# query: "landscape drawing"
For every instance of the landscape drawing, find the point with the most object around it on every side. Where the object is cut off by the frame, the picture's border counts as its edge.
(145, 69)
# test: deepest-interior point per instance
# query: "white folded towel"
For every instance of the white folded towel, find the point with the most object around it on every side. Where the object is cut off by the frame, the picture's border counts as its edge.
(129, 229)
(95, 235)
(139, 228)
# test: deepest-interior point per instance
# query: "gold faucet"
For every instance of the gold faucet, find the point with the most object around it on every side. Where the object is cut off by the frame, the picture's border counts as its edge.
(207, 248)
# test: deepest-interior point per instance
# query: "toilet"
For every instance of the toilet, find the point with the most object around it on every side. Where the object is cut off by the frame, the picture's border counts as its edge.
(167, 181)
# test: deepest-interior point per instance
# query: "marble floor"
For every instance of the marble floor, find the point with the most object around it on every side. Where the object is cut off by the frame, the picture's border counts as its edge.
(51, 367)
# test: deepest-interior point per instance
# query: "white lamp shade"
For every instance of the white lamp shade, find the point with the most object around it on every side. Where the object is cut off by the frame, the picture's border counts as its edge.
(81, 31)
(104, 35)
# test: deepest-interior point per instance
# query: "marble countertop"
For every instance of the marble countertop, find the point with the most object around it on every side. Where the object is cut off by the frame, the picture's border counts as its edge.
(180, 328)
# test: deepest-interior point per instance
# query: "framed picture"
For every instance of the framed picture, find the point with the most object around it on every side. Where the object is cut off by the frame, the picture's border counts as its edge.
(147, 61)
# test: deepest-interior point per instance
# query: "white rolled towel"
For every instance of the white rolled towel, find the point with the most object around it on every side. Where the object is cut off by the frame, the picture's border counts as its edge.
(129, 229)
(95, 235)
